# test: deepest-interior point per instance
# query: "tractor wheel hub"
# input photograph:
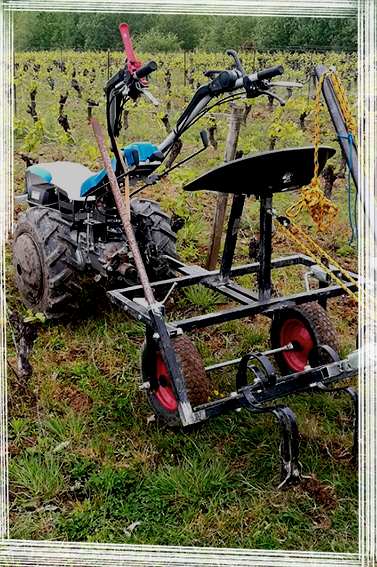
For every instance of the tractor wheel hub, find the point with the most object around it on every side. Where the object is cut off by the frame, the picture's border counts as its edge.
(28, 268)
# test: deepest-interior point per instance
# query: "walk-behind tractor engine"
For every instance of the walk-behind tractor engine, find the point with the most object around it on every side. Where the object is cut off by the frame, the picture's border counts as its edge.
(79, 220)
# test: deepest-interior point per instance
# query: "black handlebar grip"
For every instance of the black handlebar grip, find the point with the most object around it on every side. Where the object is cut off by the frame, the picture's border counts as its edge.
(226, 79)
(146, 69)
(270, 72)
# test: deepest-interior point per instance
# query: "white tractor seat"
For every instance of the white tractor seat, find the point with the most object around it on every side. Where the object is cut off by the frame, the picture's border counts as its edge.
(76, 179)
(66, 175)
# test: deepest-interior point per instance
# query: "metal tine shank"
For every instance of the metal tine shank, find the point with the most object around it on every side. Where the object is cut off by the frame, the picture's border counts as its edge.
(289, 438)
(355, 400)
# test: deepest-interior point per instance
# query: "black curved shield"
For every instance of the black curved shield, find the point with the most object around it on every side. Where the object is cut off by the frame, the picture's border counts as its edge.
(265, 173)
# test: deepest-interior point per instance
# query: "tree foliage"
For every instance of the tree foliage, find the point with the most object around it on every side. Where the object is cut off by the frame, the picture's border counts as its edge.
(316, 32)
(97, 31)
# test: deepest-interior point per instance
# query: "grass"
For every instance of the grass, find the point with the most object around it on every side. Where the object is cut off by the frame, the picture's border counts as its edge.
(37, 477)
(86, 460)
(200, 296)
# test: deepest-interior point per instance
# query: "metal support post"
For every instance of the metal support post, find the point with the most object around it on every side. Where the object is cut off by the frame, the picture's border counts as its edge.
(231, 237)
(364, 192)
(265, 248)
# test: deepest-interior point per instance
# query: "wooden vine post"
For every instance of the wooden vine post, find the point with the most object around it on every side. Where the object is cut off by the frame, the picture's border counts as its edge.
(222, 198)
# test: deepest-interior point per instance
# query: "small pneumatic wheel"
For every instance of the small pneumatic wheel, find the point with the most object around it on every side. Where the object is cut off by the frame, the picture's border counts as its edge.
(306, 326)
(163, 400)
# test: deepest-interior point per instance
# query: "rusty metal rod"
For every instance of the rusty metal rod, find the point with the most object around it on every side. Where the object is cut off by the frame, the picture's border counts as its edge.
(124, 217)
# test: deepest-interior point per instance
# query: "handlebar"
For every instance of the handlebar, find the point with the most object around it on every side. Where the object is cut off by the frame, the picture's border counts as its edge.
(231, 80)
(254, 84)
(270, 72)
(133, 84)
(146, 69)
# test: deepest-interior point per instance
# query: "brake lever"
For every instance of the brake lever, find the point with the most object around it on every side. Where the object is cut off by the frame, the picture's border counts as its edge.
(149, 95)
(285, 84)
(273, 95)
(211, 73)
(237, 61)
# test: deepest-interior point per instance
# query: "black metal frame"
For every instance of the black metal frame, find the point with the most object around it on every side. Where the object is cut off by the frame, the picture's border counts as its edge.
(256, 396)
(221, 280)
(266, 387)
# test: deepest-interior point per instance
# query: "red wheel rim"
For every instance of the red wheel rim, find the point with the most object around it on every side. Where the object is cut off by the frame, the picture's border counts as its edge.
(295, 330)
(164, 394)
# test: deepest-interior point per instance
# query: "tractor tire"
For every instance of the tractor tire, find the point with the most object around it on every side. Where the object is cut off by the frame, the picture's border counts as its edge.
(45, 264)
(163, 236)
(309, 326)
(163, 401)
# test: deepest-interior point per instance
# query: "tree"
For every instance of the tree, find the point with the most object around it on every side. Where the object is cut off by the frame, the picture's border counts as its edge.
(156, 41)
(100, 30)
(48, 30)
(220, 33)
(186, 28)
(36, 30)
(317, 32)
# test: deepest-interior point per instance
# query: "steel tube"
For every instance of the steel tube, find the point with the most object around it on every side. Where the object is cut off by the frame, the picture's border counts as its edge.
(289, 346)
(265, 248)
(263, 307)
(364, 193)
(195, 274)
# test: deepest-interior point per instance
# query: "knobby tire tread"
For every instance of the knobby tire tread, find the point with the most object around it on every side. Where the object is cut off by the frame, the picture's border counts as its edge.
(194, 374)
(57, 254)
(318, 323)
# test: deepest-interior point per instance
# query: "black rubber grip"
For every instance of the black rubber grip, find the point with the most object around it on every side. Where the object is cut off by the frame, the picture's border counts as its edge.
(270, 72)
(226, 79)
(146, 69)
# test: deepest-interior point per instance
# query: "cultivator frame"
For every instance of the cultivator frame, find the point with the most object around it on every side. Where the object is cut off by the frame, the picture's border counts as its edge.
(257, 384)
(265, 386)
